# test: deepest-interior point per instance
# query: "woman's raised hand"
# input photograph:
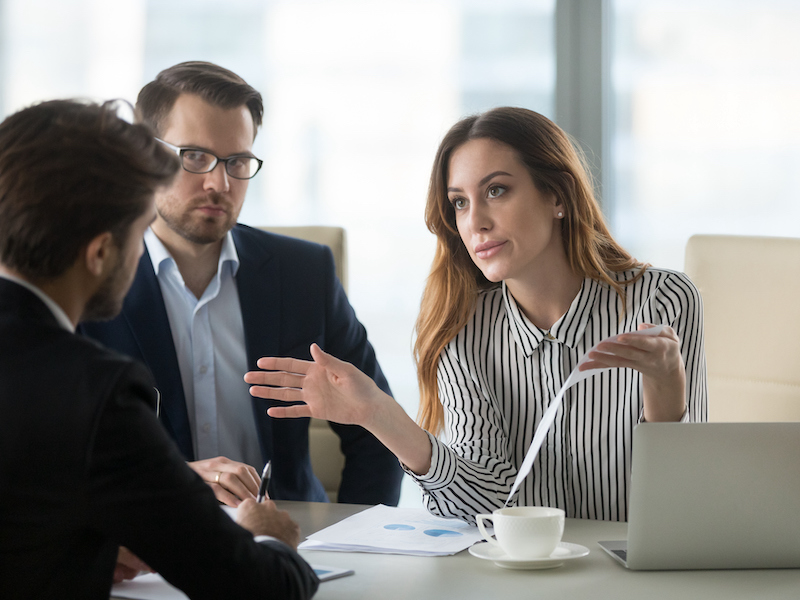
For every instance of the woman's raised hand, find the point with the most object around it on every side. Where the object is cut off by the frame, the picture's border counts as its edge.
(658, 358)
(329, 388)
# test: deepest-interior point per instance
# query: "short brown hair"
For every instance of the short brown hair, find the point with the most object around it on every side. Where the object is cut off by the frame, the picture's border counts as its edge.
(214, 84)
(70, 171)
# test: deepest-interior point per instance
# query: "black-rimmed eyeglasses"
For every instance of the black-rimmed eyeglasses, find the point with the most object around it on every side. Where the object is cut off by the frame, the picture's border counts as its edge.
(198, 161)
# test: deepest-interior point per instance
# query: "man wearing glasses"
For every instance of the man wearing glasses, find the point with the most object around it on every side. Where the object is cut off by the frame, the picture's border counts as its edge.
(211, 297)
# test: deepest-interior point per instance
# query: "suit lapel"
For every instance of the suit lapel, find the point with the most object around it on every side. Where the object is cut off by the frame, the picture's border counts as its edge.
(146, 315)
(258, 284)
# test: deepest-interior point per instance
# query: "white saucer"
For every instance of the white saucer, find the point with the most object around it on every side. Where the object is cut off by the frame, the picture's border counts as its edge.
(563, 551)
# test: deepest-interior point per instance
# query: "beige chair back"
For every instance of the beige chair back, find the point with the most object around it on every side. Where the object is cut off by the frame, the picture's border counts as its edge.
(750, 288)
(327, 459)
(333, 237)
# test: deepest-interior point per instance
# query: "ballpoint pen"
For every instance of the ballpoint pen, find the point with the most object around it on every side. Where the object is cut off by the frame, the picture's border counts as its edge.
(265, 475)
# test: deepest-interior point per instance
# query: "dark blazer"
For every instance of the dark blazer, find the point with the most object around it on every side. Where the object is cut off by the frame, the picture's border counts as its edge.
(85, 467)
(290, 297)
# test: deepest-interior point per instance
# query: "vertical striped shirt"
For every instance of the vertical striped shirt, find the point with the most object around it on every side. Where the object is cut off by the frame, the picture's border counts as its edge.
(499, 374)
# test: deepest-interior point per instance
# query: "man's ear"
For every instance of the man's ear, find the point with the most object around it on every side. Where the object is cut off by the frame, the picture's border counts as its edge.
(100, 253)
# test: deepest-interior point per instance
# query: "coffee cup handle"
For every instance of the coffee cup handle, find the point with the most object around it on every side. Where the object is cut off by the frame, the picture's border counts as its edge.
(479, 520)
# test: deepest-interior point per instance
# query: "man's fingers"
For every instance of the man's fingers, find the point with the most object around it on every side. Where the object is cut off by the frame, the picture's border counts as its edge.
(230, 489)
(247, 476)
(126, 558)
(123, 572)
(230, 481)
(239, 484)
(128, 565)
(224, 495)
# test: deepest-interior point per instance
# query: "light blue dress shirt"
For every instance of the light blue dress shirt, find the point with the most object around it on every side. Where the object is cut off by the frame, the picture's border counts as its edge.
(209, 339)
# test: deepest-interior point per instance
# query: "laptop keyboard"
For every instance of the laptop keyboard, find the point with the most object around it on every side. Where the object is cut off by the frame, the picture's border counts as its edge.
(623, 554)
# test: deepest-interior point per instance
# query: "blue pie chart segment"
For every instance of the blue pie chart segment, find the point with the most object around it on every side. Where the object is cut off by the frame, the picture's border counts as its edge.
(441, 533)
(398, 527)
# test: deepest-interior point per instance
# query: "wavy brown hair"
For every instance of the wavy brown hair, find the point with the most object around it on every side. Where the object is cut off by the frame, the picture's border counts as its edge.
(452, 287)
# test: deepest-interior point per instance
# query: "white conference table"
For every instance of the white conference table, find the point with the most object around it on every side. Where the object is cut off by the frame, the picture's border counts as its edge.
(465, 577)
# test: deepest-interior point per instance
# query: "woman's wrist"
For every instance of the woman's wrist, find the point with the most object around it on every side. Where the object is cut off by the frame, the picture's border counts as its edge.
(665, 399)
(390, 423)
(378, 413)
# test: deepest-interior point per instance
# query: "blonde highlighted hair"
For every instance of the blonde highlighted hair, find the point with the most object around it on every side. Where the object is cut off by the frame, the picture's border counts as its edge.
(452, 287)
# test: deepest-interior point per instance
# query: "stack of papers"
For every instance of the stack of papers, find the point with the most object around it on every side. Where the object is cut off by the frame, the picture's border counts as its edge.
(388, 530)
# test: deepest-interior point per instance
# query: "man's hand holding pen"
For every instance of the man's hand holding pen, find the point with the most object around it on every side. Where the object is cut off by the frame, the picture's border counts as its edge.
(259, 516)
(264, 518)
(231, 481)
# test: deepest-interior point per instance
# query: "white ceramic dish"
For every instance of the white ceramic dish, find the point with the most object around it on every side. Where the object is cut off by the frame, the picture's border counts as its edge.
(564, 551)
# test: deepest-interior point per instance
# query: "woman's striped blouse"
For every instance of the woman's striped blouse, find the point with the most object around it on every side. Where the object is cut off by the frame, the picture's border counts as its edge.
(498, 375)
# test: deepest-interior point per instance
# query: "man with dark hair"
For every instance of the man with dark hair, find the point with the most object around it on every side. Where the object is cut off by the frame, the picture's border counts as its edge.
(84, 464)
(211, 297)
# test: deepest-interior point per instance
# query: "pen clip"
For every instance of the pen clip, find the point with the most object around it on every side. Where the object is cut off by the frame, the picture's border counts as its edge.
(158, 402)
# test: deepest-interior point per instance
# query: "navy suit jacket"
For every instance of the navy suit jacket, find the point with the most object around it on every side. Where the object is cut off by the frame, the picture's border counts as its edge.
(85, 467)
(290, 298)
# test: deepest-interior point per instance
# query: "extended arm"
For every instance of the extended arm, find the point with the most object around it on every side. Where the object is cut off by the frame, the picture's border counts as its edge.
(336, 391)
(371, 473)
(467, 476)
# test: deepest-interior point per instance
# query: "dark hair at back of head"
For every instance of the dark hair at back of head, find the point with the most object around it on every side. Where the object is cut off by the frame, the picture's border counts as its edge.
(70, 171)
(214, 84)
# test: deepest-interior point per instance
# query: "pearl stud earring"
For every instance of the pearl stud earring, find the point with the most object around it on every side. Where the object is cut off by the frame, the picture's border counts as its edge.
(560, 214)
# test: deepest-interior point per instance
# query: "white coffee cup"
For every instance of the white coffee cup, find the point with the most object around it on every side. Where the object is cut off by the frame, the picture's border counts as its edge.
(524, 532)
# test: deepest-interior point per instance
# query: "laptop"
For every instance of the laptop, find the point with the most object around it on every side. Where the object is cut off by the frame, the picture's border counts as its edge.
(713, 496)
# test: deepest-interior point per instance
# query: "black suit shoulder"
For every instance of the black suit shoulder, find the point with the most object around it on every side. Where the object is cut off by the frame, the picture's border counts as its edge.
(85, 466)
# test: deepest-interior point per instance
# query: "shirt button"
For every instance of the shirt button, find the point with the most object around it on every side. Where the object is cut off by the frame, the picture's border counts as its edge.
(207, 427)
(550, 336)
(203, 370)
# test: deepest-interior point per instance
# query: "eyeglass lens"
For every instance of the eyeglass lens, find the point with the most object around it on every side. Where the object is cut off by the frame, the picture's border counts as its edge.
(239, 167)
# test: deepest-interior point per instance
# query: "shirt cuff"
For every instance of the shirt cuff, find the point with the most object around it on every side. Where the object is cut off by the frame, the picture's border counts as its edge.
(265, 538)
(443, 466)
(684, 417)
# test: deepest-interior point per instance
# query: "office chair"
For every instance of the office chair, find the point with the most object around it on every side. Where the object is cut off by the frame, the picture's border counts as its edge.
(750, 288)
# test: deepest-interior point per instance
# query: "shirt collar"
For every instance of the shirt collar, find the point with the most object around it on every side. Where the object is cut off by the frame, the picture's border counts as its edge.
(160, 256)
(58, 312)
(229, 254)
(568, 330)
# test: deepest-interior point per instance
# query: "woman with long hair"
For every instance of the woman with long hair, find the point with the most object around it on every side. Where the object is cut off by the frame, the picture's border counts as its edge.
(526, 280)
